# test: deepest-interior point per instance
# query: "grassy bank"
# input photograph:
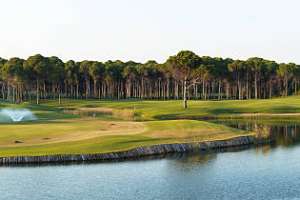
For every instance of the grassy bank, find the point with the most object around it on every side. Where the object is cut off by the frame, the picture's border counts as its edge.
(91, 126)
(97, 136)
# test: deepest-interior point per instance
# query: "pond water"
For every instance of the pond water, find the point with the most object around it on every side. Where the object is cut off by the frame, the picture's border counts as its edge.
(266, 172)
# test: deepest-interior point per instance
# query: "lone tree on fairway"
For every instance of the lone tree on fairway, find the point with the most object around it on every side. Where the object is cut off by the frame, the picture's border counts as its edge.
(184, 68)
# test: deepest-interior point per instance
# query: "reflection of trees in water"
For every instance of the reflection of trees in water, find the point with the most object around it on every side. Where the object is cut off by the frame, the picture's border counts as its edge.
(188, 161)
(283, 133)
(286, 135)
(263, 149)
(198, 157)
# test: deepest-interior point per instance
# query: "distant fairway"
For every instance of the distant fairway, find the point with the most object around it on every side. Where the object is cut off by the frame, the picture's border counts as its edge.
(79, 126)
(162, 110)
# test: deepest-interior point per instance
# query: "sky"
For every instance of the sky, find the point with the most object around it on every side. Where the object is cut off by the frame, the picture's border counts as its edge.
(142, 30)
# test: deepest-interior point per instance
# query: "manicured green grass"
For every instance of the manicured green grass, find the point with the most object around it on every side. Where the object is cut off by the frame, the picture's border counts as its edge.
(121, 125)
(97, 136)
(162, 110)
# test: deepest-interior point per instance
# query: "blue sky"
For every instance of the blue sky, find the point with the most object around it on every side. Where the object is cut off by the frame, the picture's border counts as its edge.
(150, 29)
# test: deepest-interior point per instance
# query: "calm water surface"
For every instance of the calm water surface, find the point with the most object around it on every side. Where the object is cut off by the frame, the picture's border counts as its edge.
(268, 172)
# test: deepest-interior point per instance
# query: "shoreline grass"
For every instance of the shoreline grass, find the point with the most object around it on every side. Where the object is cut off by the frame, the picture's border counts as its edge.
(90, 136)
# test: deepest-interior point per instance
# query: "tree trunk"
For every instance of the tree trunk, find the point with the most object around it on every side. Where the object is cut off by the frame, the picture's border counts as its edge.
(295, 87)
(44, 90)
(3, 92)
(87, 85)
(59, 95)
(270, 89)
(286, 86)
(184, 94)
(203, 90)
(219, 92)
(37, 91)
(95, 88)
(255, 86)
(77, 90)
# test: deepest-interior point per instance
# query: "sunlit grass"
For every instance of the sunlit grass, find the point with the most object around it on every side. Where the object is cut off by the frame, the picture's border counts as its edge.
(97, 136)
(162, 110)
(92, 126)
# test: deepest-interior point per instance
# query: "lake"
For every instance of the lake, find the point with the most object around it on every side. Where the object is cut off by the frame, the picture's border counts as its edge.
(266, 172)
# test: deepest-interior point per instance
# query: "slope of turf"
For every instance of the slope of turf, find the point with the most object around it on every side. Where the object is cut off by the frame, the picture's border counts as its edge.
(91, 126)
(79, 136)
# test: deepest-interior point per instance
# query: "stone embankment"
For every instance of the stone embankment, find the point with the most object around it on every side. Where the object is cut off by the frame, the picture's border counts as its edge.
(136, 152)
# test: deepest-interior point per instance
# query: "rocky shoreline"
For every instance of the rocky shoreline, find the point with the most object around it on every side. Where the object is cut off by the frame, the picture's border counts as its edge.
(136, 152)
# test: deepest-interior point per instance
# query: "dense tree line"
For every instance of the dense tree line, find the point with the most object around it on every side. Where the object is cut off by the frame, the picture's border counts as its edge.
(183, 76)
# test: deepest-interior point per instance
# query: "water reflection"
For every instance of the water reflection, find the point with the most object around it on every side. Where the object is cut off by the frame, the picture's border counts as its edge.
(261, 172)
(283, 134)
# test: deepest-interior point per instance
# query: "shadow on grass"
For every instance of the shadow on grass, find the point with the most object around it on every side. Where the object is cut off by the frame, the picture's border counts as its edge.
(204, 114)
(221, 111)
(215, 112)
(285, 109)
